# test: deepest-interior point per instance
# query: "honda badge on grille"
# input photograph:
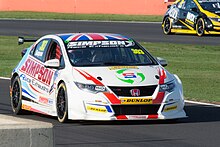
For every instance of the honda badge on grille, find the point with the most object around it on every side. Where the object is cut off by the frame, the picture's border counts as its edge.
(135, 92)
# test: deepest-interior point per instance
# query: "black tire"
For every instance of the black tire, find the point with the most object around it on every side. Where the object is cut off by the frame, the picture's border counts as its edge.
(62, 104)
(16, 96)
(200, 27)
(167, 26)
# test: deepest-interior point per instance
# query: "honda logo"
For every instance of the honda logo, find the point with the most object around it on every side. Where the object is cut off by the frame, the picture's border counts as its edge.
(135, 92)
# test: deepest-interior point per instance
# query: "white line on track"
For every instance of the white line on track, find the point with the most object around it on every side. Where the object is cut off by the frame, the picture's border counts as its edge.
(4, 78)
(187, 101)
(202, 103)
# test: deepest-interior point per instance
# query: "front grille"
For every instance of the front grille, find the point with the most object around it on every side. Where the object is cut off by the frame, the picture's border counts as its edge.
(125, 91)
(135, 109)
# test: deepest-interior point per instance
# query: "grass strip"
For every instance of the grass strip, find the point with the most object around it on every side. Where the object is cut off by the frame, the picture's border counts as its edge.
(71, 16)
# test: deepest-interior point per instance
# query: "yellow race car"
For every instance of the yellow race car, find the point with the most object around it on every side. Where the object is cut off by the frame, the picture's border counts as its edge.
(193, 17)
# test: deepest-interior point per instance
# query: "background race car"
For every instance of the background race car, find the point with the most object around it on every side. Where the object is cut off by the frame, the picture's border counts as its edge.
(193, 16)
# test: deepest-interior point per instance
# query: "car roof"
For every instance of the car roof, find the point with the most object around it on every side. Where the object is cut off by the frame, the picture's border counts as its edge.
(91, 36)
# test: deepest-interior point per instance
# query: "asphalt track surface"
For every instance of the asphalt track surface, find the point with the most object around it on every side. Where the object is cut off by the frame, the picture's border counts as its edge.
(201, 128)
(150, 32)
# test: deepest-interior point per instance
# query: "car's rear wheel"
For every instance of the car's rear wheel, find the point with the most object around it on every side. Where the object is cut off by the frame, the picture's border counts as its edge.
(167, 26)
(200, 27)
(16, 96)
(61, 104)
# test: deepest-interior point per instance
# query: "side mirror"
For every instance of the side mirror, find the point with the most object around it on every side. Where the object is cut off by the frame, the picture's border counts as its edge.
(194, 9)
(53, 63)
(162, 61)
(23, 52)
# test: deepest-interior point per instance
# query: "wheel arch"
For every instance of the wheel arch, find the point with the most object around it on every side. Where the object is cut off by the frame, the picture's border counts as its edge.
(13, 77)
(61, 81)
(201, 15)
(164, 18)
(66, 117)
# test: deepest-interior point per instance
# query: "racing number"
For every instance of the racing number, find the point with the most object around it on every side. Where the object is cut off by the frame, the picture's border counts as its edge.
(190, 17)
(43, 45)
(173, 13)
(137, 51)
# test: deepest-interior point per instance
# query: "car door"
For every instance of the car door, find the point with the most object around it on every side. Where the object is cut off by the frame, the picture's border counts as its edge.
(35, 77)
(42, 76)
(189, 13)
(54, 52)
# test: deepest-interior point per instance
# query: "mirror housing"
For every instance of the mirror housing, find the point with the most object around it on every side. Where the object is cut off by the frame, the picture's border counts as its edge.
(194, 9)
(162, 61)
(53, 63)
(23, 52)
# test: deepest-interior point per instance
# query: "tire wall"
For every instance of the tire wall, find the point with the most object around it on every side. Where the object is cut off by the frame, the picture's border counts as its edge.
(132, 7)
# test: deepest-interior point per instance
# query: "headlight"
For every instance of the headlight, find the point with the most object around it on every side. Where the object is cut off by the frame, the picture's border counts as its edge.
(169, 87)
(215, 19)
(91, 87)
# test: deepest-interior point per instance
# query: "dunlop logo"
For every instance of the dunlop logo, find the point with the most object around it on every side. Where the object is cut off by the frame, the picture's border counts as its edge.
(90, 108)
(170, 108)
(136, 100)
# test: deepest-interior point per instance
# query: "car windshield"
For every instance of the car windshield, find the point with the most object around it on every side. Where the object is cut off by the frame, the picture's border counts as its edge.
(211, 5)
(108, 55)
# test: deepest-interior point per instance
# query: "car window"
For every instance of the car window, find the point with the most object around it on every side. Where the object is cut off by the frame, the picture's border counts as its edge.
(109, 56)
(210, 5)
(181, 4)
(41, 49)
(54, 52)
(190, 4)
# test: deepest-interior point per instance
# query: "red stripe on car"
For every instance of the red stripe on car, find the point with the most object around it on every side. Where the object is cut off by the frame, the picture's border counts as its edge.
(121, 117)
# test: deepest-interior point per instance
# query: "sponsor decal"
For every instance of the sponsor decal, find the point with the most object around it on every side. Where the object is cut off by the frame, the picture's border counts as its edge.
(56, 74)
(50, 102)
(43, 100)
(37, 71)
(96, 109)
(122, 67)
(130, 76)
(137, 117)
(34, 82)
(200, 1)
(169, 108)
(25, 107)
(136, 100)
(97, 44)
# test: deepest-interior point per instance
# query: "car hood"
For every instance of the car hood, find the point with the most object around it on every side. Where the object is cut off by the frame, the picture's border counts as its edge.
(121, 76)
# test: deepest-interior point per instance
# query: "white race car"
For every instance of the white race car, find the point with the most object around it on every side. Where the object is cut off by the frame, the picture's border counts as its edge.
(94, 76)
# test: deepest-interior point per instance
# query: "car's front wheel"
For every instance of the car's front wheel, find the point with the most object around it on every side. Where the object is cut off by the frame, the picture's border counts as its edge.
(61, 104)
(16, 96)
(200, 27)
(167, 26)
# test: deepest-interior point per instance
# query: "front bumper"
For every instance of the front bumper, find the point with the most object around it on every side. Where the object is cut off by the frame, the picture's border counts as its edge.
(166, 111)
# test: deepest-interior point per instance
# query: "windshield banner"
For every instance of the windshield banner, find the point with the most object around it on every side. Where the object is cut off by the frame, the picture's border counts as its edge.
(97, 44)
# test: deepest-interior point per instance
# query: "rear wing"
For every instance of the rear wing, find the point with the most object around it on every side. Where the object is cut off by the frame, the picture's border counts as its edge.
(22, 40)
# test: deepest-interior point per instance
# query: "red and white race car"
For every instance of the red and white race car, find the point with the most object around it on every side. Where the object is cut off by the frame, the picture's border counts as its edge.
(94, 76)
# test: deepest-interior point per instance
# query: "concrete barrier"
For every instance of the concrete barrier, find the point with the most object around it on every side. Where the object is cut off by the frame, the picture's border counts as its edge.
(18, 132)
(133, 7)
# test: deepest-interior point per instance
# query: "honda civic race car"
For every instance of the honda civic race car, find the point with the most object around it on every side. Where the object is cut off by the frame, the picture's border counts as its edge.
(94, 76)
(193, 16)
